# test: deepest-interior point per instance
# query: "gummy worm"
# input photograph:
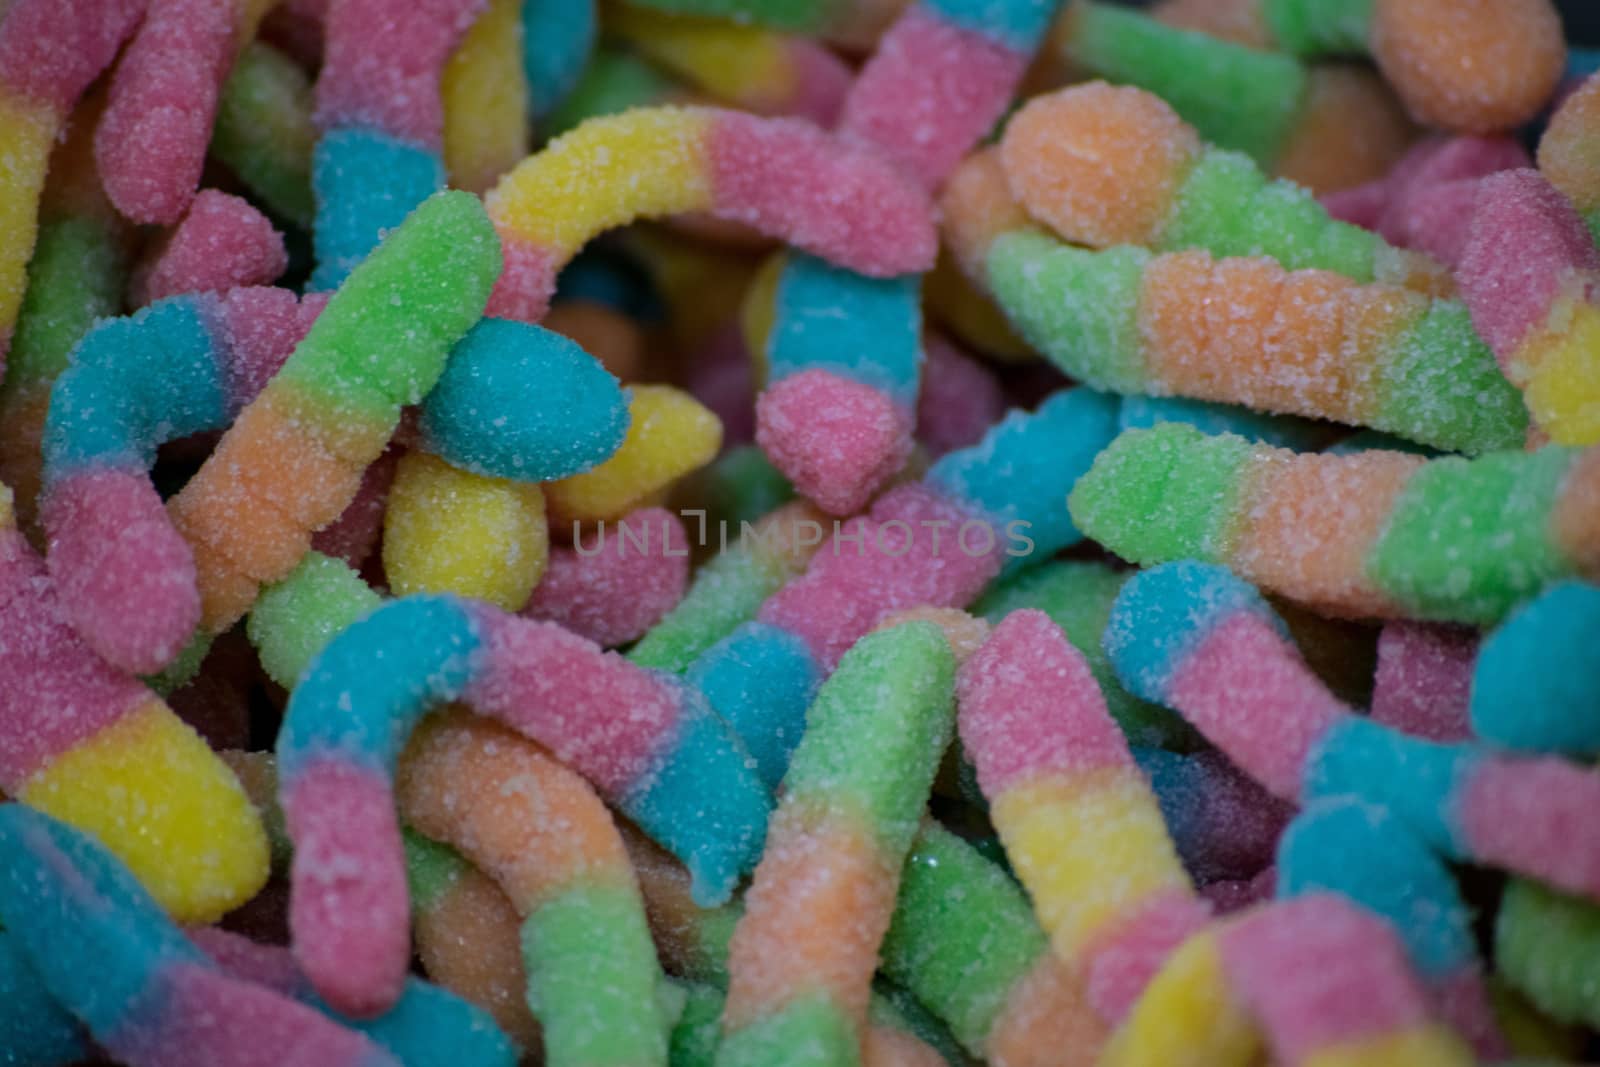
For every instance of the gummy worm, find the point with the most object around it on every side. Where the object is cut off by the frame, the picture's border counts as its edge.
(646, 741)
(1451, 539)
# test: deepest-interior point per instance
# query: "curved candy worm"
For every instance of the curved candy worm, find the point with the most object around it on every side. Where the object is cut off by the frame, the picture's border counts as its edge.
(91, 745)
(105, 950)
(782, 176)
(1200, 640)
(647, 742)
(544, 835)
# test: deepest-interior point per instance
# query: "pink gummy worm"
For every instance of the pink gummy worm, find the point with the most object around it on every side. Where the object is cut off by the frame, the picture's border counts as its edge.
(50, 50)
(1424, 680)
(382, 61)
(1317, 971)
(1247, 689)
(222, 243)
(898, 557)
(151, 143)
(1527, 246)
(613, 593)
(930, 92)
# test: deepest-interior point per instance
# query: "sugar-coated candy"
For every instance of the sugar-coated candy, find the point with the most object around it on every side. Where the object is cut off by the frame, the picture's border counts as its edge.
(1534, 688)
(342, 737)
(1077, 595)
(1450, 539)
(558, 41)
(447, 530)
(1426, 202)
(221, 243)
(1069, 801)
(1424, 678)
(615, 591)
(151, 144)
(382, 121)
(546, 837)
(1247, 331)
(50, 51)
(293, 458)
(1531, 276)
(851, 804)
(35, 1031)
(729, 588)
(744, 66)
(959, 401)
(1364, 853)
(1544, 945)
(190, 363)
(837, 412)
(105, 950)
(1326, 126)
(467, 935)
(964, 940)
(1569, 149)
(294, 619)
(75, 277)
(1197, 638)
(1103, 165)
(92, 746)
(1224, 825)
(781, 176)
(668, 435)
(264, 132)
(485, 97)
(1272, 977)
(428, 1026)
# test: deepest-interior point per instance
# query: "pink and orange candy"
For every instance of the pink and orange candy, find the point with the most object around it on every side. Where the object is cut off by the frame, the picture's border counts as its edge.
(1569, 152)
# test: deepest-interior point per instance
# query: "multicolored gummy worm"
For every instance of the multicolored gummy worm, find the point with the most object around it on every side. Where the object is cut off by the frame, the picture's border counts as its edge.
(379, 107)
(838, 409)
(802, 957)
(1530, 273)
(782, 176)
(1462, 66)
(1450, 539)
(647, 742)
(1304, 342)
(86, 743)
(1364, 853)
(294, 457)
(1325, 126)
(549, 841)
(1196, 638)
(1103, 165)
(1263, 982)
(1076, 814)
(104, 950)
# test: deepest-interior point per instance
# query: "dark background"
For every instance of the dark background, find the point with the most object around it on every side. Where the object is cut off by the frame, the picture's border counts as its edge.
(1583, 21)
